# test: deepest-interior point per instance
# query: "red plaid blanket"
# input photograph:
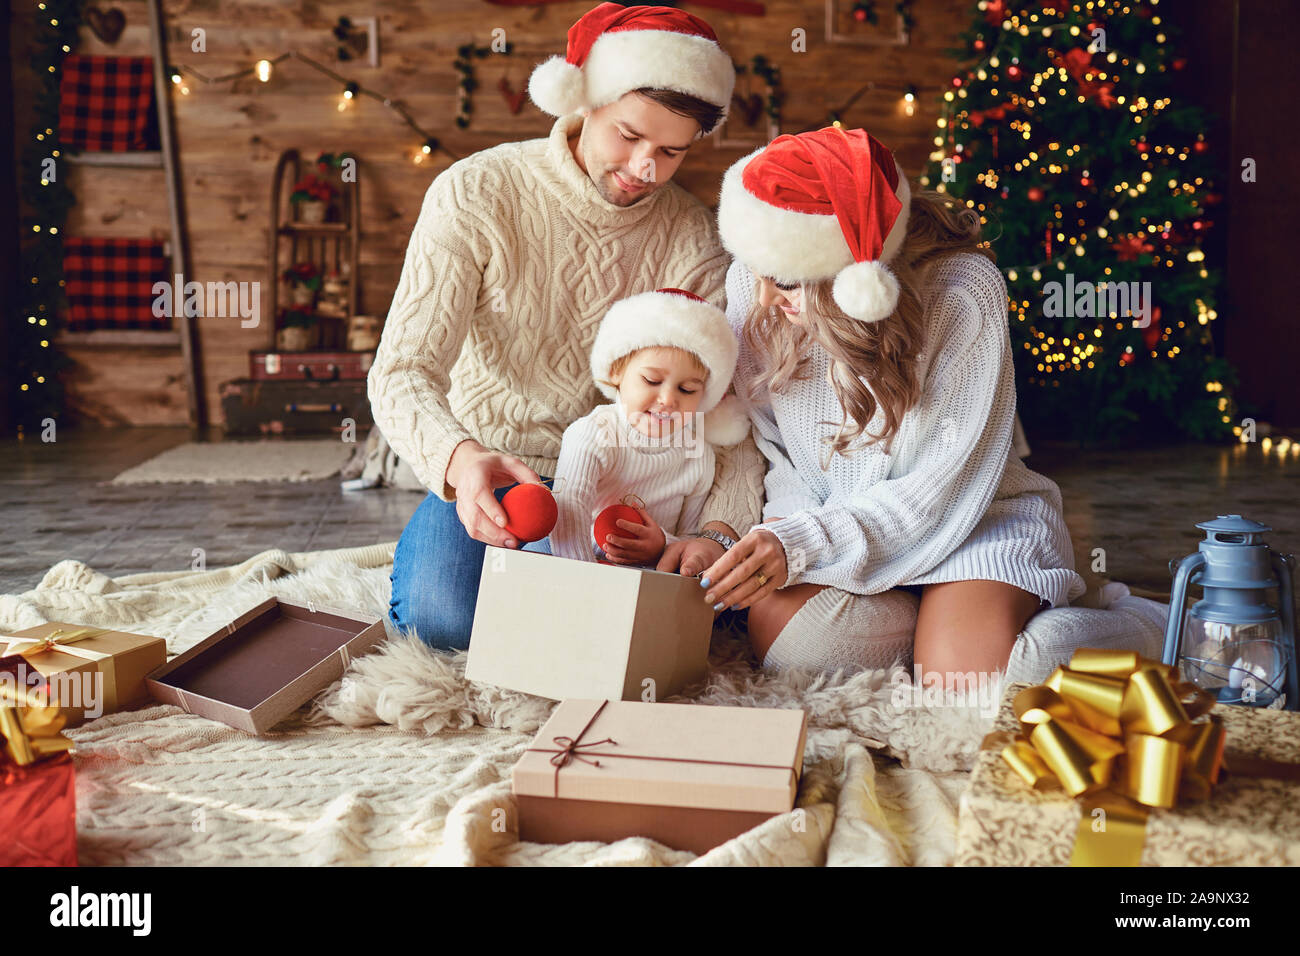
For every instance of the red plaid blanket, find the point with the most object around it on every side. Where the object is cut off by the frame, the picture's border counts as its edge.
(106, 104)
(109, 283)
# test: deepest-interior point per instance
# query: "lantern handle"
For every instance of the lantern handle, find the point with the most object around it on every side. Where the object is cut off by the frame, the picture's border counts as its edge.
(1177, 599)
(1283, 564)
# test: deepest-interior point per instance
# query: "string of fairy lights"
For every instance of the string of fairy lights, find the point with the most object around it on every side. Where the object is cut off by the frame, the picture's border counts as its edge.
(349, 93)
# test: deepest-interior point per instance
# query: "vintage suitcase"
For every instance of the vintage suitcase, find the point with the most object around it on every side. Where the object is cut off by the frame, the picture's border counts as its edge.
(295, 407)
(309, 366)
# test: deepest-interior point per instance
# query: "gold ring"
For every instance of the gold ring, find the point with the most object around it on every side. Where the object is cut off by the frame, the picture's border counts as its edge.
(762, 578)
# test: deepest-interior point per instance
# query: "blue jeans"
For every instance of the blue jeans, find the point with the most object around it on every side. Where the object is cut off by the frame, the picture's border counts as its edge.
(436, 572)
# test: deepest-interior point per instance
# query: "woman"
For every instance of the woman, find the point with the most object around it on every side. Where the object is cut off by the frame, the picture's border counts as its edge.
(856, 302)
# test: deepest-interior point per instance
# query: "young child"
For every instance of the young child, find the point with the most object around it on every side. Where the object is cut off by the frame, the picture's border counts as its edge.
(666, 358)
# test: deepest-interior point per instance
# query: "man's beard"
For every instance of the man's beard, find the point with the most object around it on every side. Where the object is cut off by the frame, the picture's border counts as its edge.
(611, 193)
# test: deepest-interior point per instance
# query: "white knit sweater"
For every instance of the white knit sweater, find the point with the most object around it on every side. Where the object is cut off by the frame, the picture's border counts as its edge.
(511, 266)
(952, 502)
(604, 457)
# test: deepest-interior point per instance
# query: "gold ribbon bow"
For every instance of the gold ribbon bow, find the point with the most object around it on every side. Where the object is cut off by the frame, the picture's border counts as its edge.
(1121, 731)
(56, 640)
(30, 726)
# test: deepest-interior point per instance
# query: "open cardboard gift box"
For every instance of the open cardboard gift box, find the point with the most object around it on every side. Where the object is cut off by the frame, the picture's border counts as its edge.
(689, 776)
(561, 628)
(265, 664)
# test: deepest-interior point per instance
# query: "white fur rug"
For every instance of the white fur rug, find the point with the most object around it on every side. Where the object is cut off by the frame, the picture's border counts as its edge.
(405, 762)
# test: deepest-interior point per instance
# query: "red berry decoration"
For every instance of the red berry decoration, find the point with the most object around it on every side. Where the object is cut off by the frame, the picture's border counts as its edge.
(530, 511)
(1035, 194)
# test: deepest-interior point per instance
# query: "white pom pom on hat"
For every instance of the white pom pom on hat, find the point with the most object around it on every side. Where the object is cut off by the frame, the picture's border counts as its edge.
(727, 424)
(866, 291)
(557, 87)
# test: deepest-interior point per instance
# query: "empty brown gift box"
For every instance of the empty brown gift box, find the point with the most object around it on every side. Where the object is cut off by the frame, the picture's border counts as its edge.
(265, 664)
(688, 776)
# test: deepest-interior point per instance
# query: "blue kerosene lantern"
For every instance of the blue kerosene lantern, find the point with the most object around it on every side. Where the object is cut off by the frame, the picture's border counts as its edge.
(1232, 642)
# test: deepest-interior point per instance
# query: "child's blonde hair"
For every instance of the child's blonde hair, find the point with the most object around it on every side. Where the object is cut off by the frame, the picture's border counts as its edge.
(617, 367)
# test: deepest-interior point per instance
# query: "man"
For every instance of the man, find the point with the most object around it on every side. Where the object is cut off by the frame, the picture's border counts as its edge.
(517, 254)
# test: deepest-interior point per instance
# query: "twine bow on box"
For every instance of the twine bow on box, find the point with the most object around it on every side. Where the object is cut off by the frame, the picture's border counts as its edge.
(1121, 731)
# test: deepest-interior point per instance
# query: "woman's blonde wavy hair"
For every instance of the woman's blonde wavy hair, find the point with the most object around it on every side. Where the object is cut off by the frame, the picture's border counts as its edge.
(883, 353)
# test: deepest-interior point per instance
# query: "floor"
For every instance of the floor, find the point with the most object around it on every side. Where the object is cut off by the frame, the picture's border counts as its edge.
(1140, 507)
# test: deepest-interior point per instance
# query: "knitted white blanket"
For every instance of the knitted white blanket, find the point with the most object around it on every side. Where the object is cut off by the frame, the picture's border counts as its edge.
(404, 762)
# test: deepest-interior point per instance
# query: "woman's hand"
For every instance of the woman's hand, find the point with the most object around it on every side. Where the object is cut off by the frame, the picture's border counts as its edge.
(733, 580)
(644, 542)
(689, 556)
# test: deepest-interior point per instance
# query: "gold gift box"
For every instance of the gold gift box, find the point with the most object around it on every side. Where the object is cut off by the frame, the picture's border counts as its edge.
(100, 673)
(1252, 817)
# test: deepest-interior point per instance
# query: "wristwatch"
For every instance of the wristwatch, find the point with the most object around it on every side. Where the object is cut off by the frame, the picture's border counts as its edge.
(726, 542)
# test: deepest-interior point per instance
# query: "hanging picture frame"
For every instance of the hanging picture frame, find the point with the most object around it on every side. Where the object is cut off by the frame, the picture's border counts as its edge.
(749, 111)
(892, 28)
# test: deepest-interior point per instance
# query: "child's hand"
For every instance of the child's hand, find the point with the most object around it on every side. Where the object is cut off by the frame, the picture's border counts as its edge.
(642, 544)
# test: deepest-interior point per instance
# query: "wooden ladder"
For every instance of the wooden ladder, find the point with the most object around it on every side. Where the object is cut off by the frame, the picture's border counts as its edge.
(185, 330)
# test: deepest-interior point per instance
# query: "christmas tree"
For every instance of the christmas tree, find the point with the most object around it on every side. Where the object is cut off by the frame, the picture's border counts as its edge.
(1094, 186)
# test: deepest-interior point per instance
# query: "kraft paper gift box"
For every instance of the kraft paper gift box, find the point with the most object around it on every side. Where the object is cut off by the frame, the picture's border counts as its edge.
(265, 664)
(86, 668)
(1251, 817)
(688, 776)
(561, 628)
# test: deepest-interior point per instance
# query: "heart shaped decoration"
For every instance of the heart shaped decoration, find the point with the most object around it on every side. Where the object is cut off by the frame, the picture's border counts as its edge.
(750, 107)
(106, 24)
(514, 100)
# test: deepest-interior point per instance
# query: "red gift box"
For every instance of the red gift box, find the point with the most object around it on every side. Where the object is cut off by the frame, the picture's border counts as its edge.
(38, 813)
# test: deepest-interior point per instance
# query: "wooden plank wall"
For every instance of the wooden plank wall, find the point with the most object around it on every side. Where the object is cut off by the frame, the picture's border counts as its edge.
(231, 135)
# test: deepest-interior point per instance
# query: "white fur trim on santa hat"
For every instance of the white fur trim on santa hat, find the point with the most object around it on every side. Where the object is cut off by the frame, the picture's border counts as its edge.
(666, 319)
(792, 246)
(727, 424)
(866, 291)
(632, 60)
(557, 87)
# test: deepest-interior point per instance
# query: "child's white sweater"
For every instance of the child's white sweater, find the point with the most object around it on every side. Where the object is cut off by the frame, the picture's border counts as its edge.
(603, 457)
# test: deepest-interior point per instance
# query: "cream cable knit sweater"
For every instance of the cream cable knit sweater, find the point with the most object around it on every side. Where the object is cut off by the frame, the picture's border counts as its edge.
(514, 260)
(604, 457)
(953, 502)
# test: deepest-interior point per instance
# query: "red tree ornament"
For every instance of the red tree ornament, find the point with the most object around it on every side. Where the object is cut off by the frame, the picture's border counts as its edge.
(607, 521)
(1014, 72)
(1035, 194)
(1200, 146)
(530, 511)
(1151, 334)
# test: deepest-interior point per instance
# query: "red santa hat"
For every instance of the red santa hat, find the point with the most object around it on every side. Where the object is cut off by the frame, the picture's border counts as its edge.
(831, 203)
(614, 49)
(675, 318)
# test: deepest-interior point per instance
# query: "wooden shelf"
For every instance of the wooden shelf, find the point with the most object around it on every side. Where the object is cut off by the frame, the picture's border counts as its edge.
(142, 159)
(322, 228)
(139, 338)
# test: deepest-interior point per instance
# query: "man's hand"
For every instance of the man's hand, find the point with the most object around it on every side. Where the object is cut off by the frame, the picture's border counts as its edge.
(475, 472)
(644, 542)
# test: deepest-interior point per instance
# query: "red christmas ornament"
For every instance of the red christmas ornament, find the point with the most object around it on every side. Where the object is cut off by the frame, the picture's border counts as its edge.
(1142, 146)
(607, 521)
(1085, 182)
(1151, 334)
(956, 81)
(860, 14)
(1179, 62)
(1126, 358)
(995, 11)
(1200, 146)
(1035, 194)
(1014, 72)
(530, 511)
(979, 43)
